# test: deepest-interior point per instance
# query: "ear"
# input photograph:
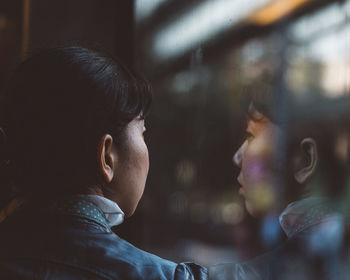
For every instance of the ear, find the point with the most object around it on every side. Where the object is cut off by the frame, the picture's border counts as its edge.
(306, 161)
(106, 159)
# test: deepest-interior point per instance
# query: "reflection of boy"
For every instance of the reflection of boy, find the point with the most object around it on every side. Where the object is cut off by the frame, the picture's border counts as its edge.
(297, 152)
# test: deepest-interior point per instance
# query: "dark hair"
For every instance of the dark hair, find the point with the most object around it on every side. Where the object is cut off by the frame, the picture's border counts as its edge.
(58, 104)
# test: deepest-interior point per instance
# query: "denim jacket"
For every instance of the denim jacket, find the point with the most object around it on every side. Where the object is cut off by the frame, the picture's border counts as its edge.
(317, 247)
(71, 239)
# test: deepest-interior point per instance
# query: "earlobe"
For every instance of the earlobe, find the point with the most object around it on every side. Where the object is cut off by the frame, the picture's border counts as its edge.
(105, 158)
(308, 162)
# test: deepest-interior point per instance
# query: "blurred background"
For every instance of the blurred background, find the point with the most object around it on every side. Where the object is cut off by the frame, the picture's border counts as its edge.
(201, 56)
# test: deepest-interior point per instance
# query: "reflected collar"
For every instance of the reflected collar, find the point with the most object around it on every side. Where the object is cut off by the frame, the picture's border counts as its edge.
(305, 213)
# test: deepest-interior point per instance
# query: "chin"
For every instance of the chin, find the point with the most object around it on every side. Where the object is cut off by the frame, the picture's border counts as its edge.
(255, 211)
(130, 211)
(129, 214)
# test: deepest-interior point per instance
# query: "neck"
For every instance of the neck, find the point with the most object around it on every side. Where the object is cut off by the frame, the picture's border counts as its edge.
(94, 189)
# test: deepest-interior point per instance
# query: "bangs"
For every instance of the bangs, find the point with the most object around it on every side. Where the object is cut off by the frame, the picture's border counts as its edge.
(272, 105)
(143, 93)
(133, 97)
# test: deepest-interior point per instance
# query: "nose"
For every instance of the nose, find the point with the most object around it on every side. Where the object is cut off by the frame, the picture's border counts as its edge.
(237, 157)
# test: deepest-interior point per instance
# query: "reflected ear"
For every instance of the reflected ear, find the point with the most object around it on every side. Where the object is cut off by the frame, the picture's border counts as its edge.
(307, 160)
(106, 159)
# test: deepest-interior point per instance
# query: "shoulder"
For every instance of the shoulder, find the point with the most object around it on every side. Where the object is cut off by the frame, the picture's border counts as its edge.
(258, 268)
(255, 269)
(143, 265)
(71, 245)
(287, 260)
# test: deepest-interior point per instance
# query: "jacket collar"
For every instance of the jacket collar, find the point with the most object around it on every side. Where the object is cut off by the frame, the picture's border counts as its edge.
(80, 207)
(303, 214)
(111, 210)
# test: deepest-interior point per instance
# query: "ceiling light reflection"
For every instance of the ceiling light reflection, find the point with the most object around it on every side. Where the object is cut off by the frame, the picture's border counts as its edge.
(201, 24)
(309, 26)
(145, 8)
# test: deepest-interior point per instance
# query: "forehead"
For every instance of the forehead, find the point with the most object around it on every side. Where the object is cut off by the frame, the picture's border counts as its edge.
(255, 116)
(256, 121)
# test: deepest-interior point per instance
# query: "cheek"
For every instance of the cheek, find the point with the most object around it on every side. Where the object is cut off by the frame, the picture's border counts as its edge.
(257, 165)
(259, 185)
(145, 157)
(140, 158)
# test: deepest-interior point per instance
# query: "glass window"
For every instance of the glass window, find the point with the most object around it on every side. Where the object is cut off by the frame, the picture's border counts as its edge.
(207, 61)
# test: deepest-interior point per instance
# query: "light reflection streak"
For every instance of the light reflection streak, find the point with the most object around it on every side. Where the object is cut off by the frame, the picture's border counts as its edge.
(201, 24)
(145, 8)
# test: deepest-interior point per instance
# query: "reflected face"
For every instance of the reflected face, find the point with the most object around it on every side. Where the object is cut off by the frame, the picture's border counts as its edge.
(257, 160)
(131, 168)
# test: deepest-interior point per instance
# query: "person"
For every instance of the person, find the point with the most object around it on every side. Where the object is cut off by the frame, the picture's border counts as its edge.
(75, 164)
(289, 166)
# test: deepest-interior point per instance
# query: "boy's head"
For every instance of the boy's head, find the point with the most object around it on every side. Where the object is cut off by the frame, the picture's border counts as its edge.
(288, 146)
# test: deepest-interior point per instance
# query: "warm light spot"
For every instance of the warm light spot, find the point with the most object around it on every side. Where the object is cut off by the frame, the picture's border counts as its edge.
(260, 198)
(275, 11)
(232, 213)
(342, 147)
(3, 22)
(336, 79)
(185, 172)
